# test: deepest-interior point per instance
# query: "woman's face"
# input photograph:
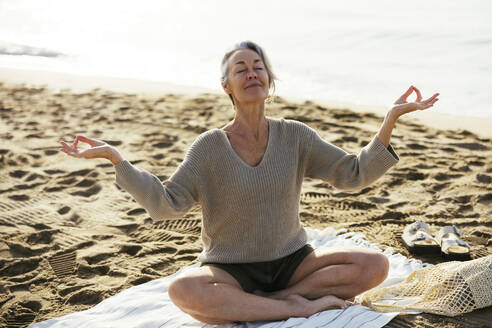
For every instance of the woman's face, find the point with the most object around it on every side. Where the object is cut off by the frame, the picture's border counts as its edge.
(247, 78)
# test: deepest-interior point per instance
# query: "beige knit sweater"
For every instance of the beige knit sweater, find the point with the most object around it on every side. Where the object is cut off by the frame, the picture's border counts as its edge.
(251, 214)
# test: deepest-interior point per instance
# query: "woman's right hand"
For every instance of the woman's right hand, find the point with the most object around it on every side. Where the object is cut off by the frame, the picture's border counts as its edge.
(99, 149)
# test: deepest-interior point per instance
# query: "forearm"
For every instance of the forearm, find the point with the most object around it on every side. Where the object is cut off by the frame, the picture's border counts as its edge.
(169, 200)
(384, 133)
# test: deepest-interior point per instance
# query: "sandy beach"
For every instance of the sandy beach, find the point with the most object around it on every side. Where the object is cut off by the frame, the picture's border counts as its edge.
(70, 237)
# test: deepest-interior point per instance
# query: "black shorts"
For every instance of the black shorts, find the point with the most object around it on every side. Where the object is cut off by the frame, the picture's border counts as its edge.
(266, 276)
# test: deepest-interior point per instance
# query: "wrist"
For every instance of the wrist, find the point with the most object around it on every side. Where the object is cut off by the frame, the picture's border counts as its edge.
(392, 115)
(114, 156)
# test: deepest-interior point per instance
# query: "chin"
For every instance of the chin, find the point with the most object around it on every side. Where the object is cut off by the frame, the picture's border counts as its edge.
(255, 98)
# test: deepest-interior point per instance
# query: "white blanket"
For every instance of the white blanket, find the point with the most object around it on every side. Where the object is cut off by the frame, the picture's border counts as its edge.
(148, 305)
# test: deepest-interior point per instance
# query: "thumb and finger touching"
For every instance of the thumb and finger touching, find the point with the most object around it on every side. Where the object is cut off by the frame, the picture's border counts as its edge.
(97, 149)
(418, 104)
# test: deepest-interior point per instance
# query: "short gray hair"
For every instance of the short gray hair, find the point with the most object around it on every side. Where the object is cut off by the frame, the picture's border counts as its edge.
(256, 48)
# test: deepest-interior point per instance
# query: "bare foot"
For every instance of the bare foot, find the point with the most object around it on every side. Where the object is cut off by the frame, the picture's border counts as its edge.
(305, 308)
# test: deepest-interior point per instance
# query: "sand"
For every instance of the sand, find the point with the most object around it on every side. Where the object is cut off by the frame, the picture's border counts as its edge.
(70, 237)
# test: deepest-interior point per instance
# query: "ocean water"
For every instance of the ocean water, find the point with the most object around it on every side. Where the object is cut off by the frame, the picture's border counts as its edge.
(353, 51)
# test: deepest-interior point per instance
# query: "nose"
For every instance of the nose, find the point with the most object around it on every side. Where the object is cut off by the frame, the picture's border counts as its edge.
(252, 75)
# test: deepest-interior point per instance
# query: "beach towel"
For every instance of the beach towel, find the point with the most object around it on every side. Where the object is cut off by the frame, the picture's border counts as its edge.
(148, 305)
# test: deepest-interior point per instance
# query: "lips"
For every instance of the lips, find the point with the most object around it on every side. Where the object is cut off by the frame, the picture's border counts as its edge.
(253, 85)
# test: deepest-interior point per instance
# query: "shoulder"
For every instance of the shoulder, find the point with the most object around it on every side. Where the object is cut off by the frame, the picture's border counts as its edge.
(204, 144)
(198, 154)
(294, 127)
(206, 139)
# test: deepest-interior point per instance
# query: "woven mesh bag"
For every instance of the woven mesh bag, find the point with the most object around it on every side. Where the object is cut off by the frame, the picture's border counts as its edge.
(449, 288)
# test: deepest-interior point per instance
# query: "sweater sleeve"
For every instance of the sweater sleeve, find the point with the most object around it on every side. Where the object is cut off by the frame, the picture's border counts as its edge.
(348, 171)
(162, 200)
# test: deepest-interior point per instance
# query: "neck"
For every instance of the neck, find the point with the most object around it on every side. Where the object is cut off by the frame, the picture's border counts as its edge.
(250, 120)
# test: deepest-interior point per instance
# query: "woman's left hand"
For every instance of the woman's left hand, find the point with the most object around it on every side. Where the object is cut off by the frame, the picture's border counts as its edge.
(401, 106)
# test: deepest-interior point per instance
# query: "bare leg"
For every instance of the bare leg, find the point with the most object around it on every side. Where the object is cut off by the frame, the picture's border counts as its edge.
(296, 300)
(211, 295)
(344, 274)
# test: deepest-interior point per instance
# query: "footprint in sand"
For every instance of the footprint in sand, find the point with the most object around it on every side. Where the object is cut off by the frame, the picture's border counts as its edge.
(396, 182)
(86, 183)
(65, 291)
(448, 149)
(485, 199)
(98, 258)
(156, 235)
(53, 172)
(141, 280)
(181, 225)
(411, 175)
(27, 186)
(483, 178)
(64, 210)
(82, 172)
(186, 258)
(20, 314)
(354, 205)
(314, 195)
(53, 189)
(465, 209)
(41, 237)
(131, 250)
(152, 250)
(18, 267)
(445, 176)
(71, 243)
(390, 215)
(136, 211)
(471, 146)
(463, 168)
(63, 263)
(49, 152)
(86, 297)
(163, 144)
(89, 192)
(22, 250)
(476, 163)
(18, 173)
(378, 200)
(34, 176)
(89, 272)
(127, 228)
(397, 205)
(416, 146)
(75, 218)
(19, 197)
(439, 187)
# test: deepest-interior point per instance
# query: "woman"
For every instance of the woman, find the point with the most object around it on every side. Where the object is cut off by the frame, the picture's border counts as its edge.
(256, 263)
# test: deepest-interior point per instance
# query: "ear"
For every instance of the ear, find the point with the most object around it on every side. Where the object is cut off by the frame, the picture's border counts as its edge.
(226, 88)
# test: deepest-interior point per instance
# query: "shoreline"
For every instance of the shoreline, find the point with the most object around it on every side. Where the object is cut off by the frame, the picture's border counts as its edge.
(83, 83)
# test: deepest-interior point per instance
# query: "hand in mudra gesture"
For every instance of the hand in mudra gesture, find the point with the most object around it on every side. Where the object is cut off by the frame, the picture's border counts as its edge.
(99, 149)
(401, 106)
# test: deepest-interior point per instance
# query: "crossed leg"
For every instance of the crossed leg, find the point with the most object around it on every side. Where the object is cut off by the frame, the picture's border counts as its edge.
(323, 280)
(342, 272)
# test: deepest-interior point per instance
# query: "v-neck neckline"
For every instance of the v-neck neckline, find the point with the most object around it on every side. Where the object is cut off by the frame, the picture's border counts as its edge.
(265, 153)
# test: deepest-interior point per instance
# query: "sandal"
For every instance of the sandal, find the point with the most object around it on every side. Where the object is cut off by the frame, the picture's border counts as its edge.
(452, 247)
(417, 239)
